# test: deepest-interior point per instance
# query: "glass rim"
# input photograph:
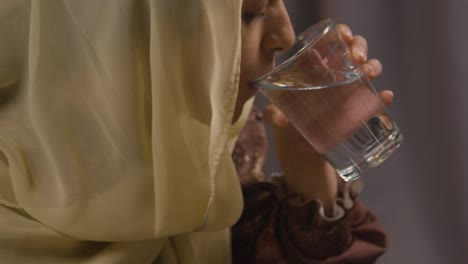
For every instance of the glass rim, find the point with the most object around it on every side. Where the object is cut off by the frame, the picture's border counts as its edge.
(301, 44)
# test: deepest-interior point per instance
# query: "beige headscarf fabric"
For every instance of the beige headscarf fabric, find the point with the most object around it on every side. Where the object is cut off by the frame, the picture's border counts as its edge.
(115, 130)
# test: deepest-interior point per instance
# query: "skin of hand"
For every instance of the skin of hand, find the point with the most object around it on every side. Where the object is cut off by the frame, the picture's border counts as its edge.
(306, 171)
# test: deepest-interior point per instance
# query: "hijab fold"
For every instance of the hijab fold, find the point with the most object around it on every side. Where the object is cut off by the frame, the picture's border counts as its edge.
(115, 129)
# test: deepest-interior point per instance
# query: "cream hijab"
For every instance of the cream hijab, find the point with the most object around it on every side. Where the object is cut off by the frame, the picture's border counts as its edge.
(115, 130)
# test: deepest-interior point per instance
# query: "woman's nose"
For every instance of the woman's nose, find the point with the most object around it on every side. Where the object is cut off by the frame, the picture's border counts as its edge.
(279, 34)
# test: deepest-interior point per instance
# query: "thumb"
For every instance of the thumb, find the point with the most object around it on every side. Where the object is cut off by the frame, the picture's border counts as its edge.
(274, 116)
(387, 97)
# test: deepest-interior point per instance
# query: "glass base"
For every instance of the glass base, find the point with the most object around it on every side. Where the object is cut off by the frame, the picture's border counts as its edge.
(373, 159)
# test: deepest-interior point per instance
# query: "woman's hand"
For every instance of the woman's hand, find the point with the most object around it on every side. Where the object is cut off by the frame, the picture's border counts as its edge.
(305, 170)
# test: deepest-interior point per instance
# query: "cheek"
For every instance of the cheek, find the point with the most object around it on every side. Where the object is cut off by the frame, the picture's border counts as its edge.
(248, 61)
(247, 72)
(250, 55)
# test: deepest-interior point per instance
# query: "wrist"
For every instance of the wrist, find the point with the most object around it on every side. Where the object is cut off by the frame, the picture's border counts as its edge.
(321, 183)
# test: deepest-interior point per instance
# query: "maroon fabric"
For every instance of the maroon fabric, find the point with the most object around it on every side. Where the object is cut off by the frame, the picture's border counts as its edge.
(275, 230)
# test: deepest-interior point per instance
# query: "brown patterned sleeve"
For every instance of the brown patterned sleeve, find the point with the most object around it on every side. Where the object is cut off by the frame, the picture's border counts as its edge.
(278, 227)
(275, 229)
(307, 237)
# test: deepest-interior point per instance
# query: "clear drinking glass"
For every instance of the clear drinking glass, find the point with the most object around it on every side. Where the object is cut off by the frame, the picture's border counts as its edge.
(331, 102)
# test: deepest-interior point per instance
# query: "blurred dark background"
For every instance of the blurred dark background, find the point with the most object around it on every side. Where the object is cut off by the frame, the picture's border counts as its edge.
(421, 193)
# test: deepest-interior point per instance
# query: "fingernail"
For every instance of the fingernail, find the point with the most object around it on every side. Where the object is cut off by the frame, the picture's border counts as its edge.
(360, 54)
(369, 70)
(280, 120)
(347, 32)
(276, 118)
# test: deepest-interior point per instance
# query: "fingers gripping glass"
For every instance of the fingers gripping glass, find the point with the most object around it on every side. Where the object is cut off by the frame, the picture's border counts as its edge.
(331, 102)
